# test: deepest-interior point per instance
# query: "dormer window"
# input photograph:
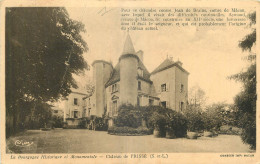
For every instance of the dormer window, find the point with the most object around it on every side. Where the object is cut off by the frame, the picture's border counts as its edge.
(140, 72)
(115, 88)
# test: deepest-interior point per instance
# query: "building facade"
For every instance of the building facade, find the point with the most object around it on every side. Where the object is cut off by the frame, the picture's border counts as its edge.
(75, 105)
(129, 82)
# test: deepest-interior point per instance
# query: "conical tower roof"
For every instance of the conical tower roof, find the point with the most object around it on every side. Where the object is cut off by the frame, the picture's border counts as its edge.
(128, 46)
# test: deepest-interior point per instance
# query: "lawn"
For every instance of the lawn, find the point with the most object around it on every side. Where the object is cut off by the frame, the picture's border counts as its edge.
(87, 141)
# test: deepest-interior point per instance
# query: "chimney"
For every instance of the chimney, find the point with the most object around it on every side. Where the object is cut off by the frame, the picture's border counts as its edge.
(140, 54)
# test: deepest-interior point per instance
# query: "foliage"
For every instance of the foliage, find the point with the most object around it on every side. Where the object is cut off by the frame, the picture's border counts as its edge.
(178, 124)
(100, 124)
(221, 114)
(40, 116)
(125, 130)
(90, 87)
(156, 117)
(197, 96)
(43, 49)
(57, 121)
(208, 121)
(149, 114)
(159, 121)
(245, 101)
(195, 119)
(128, 115)
(227, 129)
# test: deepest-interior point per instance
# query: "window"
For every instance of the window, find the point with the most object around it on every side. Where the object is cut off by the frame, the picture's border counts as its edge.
(163, 104)
(181, 106)
(115, 88)
(138, 101)
(75, 101)
(151, 101)
(114, 107)
(182, 87)
(76, 114)
(140, 72)
(139, 85)
(89, 112)
(163, 87)
(84, 114)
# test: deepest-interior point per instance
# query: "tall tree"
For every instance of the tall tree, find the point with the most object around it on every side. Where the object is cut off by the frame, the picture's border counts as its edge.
(197, 96)
(44, 48)
(245, 101)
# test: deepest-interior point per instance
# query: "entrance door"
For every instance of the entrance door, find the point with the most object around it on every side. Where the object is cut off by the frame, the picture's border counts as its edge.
(76, 114)
(114, 108)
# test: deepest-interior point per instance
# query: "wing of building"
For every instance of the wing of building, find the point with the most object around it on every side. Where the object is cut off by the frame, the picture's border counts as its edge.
(129, 82)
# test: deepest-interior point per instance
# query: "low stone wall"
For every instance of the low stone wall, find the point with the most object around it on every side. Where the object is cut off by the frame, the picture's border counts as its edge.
(73, 123)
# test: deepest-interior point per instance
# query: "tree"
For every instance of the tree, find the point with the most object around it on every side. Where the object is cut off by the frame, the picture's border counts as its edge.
(245, 101)
(196, 96)
(44, 48)
(90, 88)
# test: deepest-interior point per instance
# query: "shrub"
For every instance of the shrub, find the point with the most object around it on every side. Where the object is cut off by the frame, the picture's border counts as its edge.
(100, 124)
(156, 117)
(151, 112)
(57, 121)
(208, 121)
(82, 123)
(128, 115)
(194, 120)
(178, 124)
(226, 129)
(128, 130)
(159, 122)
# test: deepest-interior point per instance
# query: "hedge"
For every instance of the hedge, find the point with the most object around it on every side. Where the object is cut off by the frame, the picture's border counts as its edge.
(128, 131)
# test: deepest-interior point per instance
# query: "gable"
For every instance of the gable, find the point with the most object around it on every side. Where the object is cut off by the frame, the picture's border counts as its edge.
(167, 63)
(116, 74)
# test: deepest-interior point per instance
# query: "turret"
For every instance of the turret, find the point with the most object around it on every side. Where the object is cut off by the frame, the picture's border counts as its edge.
(101, 73)
(128, 73)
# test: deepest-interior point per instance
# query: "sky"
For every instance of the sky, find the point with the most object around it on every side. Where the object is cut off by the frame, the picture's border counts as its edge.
(210, 55)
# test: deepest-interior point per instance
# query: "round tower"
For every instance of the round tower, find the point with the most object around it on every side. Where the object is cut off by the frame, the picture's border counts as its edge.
(128, 74)
(101, 74)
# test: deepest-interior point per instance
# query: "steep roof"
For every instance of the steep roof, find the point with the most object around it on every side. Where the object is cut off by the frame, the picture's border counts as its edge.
(116, 74)
(167, 63)
(128, 46)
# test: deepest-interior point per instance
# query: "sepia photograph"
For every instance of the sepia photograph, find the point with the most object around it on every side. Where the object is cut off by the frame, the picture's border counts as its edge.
(88, 80)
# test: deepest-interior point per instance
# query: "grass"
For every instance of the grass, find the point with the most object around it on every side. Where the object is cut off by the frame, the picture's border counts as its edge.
(87, 141)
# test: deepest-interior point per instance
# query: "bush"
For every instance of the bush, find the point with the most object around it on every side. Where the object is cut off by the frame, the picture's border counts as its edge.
(248, 125)
(194, 120)
(128, 115)
(208, 121)
(178, 124)
(128, 130)
(159, 122)
(82, 123)
(57, 122)
(156, 117)
(101, 124)
(230, 130)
